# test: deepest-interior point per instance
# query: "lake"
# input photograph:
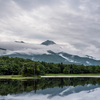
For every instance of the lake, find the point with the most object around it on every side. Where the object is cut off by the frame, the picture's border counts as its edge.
(50, 89)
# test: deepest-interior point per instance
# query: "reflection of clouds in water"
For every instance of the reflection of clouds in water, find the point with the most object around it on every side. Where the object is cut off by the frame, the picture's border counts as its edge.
(83, 95)
(25, 97)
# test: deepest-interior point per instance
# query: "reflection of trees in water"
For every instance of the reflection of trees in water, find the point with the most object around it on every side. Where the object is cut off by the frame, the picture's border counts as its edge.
(17, 86)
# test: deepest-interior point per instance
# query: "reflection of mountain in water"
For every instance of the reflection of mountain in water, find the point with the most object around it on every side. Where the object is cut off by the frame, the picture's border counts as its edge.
(66, 90)
(55, 86)
(81, 95)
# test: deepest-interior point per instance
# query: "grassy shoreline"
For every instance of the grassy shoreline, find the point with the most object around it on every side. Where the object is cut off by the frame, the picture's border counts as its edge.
(20, 77)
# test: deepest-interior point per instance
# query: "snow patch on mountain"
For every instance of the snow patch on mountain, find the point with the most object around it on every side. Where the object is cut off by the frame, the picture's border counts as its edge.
(88, 63)
(66, 90)
(70, 60)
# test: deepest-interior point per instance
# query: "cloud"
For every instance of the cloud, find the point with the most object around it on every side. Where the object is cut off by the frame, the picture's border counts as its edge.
(65, 21)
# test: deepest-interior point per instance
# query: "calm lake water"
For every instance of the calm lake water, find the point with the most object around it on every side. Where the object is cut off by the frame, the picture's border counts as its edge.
(51, 89)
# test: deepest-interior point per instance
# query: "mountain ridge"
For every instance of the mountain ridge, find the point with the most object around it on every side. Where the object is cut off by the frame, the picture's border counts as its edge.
(51, 53)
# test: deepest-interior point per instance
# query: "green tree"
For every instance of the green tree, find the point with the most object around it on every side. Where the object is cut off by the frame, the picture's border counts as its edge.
(24, 71)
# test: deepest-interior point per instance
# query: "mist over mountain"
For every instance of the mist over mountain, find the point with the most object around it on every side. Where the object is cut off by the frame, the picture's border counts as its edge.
(47, 51)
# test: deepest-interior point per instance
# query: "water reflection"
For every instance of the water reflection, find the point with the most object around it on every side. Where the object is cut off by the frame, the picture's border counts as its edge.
(50, 89)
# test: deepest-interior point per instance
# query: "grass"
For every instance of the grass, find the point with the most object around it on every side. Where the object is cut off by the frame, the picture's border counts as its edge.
(18, 77)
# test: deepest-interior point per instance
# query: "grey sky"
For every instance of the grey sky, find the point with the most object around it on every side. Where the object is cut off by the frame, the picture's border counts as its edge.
(76, 22)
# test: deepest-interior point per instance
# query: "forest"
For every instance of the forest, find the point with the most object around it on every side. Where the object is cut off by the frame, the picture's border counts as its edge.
(27, 67)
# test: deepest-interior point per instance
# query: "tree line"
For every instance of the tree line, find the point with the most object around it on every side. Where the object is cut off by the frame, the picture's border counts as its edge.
(27, 67)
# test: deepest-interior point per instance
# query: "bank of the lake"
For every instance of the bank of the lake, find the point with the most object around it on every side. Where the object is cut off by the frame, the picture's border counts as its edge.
(19, 77)
(70, 75)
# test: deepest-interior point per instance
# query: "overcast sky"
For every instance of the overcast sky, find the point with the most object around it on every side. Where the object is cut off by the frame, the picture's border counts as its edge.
(75, 22)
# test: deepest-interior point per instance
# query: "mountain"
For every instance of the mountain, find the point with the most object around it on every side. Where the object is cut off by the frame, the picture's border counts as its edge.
(50, 52)
(48, 42)
(19, 41)
(2, 49)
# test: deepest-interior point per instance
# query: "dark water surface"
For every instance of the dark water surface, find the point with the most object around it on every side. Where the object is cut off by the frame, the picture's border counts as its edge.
(51, 89)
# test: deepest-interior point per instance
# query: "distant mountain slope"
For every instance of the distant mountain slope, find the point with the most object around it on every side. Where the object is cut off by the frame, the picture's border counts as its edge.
(52, 53)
